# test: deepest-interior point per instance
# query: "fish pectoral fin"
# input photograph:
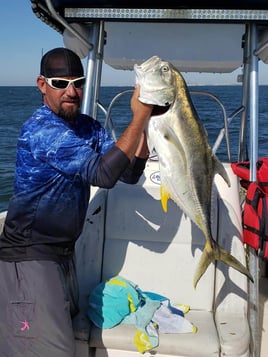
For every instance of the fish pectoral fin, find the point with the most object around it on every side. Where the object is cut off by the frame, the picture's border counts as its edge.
(211, 254)
(172, 138)
(170, 135)
(165, 196)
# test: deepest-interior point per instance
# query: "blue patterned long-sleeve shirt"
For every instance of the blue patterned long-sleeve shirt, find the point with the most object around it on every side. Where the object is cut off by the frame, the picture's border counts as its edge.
(57, 161)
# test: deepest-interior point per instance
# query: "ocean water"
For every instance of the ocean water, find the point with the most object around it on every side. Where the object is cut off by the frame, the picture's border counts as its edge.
(18, 103)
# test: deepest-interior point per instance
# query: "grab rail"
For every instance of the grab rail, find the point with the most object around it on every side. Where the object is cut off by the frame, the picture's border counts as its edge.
(224, 132)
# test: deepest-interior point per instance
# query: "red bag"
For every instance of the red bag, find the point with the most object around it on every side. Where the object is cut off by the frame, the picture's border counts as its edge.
(255, 214)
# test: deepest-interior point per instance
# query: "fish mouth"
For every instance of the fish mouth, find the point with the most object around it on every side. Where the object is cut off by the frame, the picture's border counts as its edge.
(148, 64)
(159, 109)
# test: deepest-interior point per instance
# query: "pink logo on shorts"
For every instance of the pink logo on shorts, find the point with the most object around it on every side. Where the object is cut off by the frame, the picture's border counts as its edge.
(25, 325)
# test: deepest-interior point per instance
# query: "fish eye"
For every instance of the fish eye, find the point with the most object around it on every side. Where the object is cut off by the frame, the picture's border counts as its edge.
(165, 68)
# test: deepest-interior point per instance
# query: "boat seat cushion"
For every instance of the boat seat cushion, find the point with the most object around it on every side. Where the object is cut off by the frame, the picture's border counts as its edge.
(159, 252)
(154, 249)
(121, 338)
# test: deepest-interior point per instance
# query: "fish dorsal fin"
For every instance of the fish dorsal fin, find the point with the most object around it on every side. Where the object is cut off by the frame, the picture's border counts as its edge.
(165, 196)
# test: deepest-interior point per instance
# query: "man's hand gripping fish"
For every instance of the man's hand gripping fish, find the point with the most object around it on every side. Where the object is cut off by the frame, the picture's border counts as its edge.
(187, 164)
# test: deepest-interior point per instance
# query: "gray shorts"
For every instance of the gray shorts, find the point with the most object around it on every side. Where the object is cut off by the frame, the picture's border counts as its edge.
(37, 300)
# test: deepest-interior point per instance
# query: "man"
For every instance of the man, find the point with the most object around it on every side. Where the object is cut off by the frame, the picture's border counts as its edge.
(60, 154)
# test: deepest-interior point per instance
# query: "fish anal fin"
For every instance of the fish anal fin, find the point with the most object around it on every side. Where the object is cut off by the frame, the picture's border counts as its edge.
(165, 196)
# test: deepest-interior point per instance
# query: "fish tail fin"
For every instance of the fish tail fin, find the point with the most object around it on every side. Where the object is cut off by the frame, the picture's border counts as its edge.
(207, 257)
(211, 254)
(223, 256)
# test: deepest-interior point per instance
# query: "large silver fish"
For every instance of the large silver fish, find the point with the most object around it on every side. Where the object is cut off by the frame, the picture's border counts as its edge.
(187, 164)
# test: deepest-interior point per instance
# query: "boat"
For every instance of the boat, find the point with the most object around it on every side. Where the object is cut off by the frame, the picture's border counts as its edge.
(126, 233)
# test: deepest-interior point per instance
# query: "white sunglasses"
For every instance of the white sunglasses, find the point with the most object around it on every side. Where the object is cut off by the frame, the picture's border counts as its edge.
(60, 83)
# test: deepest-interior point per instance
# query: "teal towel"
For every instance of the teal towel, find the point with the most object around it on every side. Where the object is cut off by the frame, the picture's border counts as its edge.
(111, 301)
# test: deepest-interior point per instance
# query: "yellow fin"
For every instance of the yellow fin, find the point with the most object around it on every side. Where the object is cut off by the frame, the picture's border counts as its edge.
(165, 196)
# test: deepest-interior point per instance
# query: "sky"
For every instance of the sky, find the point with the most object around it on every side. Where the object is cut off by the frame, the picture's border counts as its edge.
(24, 38)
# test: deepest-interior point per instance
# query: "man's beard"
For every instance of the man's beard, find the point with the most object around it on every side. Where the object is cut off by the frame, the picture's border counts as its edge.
(69, 115)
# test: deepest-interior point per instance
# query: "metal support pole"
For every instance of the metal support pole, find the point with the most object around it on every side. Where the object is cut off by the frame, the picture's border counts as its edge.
(253, 116)
(254, 104)
(242, 154)
(88, 100)
(66, 25)
(98, 69)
